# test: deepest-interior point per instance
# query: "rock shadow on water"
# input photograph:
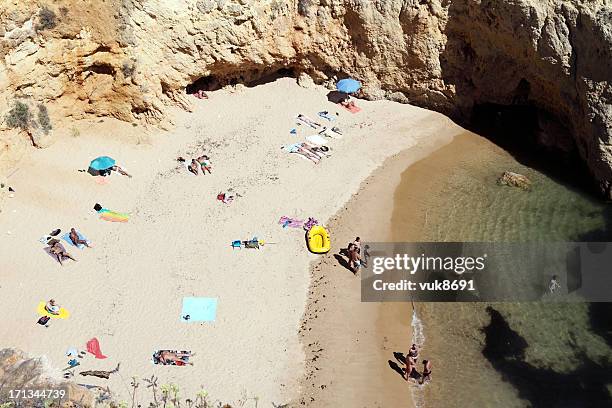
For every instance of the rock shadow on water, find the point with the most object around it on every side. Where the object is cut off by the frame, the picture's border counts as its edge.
(585, 386)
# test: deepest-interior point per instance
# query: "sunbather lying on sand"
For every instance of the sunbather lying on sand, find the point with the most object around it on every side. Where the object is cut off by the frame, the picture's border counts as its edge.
(204, 161)
(116, 168)
(193, 167)
(309, 154)
(308, 121)
(59, 251)
(52, 307)
(167, 357)
(74, 237)
(347, 103)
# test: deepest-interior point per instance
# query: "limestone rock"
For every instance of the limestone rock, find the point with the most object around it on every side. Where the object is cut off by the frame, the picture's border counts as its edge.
(512, 179)
(20, 371)
(129, 59)
(305, 81)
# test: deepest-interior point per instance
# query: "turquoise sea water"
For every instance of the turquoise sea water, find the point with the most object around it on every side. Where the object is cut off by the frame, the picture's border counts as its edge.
(508, 354)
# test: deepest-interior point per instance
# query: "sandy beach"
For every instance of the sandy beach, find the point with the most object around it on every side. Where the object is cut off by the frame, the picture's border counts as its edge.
(127, 291)
(349, 344)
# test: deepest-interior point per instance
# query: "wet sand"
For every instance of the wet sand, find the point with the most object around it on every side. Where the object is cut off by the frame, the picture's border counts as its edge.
(349, 345)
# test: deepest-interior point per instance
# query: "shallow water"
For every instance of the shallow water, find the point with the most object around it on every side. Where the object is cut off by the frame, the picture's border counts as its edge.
(513, 355)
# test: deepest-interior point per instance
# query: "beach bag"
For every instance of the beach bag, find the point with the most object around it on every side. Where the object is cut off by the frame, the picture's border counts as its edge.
(44, 320)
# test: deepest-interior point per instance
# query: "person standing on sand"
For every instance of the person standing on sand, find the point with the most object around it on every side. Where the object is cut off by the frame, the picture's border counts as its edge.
(357, 244)
(354, 259)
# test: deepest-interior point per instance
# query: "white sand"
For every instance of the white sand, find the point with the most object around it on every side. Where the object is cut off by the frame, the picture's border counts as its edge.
(128, 290)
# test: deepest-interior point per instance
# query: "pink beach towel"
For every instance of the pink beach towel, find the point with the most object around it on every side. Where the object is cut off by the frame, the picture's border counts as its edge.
(352, 109)
(290, 222)
(93, 346)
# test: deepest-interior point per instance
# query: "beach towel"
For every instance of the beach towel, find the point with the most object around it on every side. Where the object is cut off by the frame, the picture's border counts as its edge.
(51, 254)
(294, 147)
(317, 140)
(93, 347)
(352, 108)
(326, 115)
(311, 222)
(113, 216)
(253, 243)
(290, 222)
(307, 121)
(224, 198)
(63, 313)
(66, 237)
(199, 309)
(102, 179)
(183, 361)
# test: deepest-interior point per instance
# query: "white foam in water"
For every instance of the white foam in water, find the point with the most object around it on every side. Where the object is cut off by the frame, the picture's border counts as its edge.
(418, 338)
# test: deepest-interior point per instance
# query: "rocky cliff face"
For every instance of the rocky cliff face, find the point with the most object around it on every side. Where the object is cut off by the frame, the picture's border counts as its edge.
(131, 59)
(18, 371)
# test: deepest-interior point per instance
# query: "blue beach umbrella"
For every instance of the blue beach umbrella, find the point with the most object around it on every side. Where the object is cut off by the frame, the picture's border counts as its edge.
(102, 163)
(348, 85)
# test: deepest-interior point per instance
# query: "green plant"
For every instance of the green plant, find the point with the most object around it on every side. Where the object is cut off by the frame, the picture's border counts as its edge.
(74, 132)
(46, 19)
(43, 118)
(19, 116)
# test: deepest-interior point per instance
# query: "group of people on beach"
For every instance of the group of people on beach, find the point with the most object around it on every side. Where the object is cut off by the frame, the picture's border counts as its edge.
(356, 258)
(58, 250)
(410, 372)
(200, 163)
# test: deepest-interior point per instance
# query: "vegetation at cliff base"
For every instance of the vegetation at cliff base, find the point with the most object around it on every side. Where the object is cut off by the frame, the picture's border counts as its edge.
(19, 116)
(46, 19)
(43, 118)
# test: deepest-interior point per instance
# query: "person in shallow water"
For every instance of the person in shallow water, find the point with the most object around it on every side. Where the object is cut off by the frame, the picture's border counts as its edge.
(553, 285)
(413, 352)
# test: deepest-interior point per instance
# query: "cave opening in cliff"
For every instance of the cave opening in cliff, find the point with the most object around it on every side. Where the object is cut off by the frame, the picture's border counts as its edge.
(249, 77)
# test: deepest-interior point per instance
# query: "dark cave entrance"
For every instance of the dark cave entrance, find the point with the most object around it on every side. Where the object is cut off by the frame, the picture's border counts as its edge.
(248, 77)
(517, 128)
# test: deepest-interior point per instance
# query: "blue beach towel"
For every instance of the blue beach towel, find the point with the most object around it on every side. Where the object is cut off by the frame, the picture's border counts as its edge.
(199, 309)
(326, 115)
(66, 237)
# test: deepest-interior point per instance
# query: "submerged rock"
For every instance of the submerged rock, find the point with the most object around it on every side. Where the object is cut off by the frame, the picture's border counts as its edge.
(509, 178)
